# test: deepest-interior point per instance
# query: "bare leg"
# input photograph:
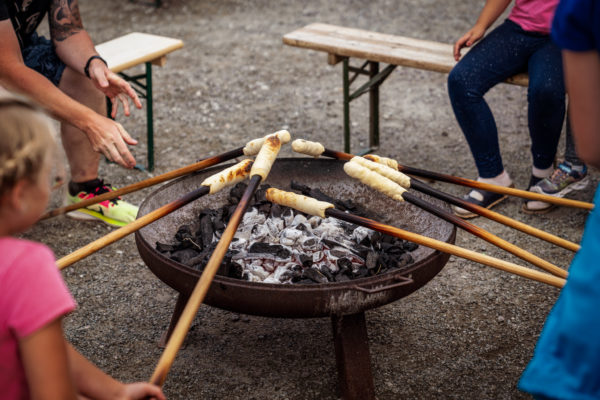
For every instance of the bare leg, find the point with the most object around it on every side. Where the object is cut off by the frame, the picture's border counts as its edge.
(83, 160)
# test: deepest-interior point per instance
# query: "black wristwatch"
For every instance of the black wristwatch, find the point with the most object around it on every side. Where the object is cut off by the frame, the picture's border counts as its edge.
(86, 69)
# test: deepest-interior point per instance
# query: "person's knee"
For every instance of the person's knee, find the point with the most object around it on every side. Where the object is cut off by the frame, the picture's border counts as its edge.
(83, 90)
(460, 85)
(547, 93)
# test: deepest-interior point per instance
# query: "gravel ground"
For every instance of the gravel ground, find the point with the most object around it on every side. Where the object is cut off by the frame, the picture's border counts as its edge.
(469, 333)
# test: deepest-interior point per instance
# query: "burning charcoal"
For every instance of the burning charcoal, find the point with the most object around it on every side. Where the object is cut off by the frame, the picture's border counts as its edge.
(304, 227)
(327, 272)
(315, 221)
(410, 246)
(404, 260)
(288, 216)
(265, 248)
(289, 236)
(259, 232)
(360, 234)
(371, 261)
(165, 248)
(314, 275)
(317, 256)
(184, 255)
(310, 244)
(306, 261)
(236, 193)
(298, 219)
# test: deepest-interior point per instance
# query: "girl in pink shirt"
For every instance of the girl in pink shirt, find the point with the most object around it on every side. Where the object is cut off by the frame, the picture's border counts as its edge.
(520, 44)
(36, 362)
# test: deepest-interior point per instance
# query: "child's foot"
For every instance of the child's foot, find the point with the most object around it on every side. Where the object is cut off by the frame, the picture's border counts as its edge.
(564, 179)
(116, 212)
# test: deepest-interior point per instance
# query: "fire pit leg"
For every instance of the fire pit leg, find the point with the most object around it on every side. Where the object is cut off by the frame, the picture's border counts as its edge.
(179, 306)
(352, 356)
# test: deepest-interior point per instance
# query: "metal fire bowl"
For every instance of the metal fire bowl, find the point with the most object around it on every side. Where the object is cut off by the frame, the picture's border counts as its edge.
(296, 301)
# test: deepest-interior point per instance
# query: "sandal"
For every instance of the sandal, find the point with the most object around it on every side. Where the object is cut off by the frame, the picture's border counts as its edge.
(481, 198)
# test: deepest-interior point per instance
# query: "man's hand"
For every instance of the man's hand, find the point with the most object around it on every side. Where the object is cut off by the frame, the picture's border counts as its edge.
(467, 40)
(110, 138)
(113, 86)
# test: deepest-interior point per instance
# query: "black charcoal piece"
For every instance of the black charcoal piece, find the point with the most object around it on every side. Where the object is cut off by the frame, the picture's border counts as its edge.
(344, 264)
(260, 194)
(362, 271)
(184, 232)
(206, 230)
(264, 208)
(410, 246)
(327, 272)
(314, 275)
(236, 193)
(342, 278)
(306, 260)
(403, 260)
(165, 248)
(392, 249)
(277, 250)
(276, 211)
(235, 270)
(184, 256)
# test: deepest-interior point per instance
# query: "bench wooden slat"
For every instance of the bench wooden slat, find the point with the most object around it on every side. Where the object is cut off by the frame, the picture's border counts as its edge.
(136, 48)
(379, 47)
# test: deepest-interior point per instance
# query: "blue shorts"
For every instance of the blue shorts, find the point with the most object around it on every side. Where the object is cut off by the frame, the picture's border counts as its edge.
(39, 55)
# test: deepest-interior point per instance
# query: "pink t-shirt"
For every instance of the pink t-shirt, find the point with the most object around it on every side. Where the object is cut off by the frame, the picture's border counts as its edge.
(32, 294)
(534, 15)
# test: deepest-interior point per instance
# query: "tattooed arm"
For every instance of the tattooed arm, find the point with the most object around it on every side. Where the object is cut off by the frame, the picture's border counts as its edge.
(75, 47)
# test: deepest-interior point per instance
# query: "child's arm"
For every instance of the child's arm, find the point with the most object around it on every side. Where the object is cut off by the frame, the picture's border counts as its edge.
(490, 13)
(91, 382)
(45, 360)
(582, 77)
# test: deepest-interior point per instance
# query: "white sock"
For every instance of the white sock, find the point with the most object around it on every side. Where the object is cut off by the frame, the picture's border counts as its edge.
(542, 173)
(503, 179)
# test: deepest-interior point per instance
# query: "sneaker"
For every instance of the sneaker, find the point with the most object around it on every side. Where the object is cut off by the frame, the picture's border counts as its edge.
(115, 212)
(563, 180)
(481, 198)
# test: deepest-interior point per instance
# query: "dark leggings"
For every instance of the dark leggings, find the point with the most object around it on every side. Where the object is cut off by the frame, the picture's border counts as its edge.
(504, 52)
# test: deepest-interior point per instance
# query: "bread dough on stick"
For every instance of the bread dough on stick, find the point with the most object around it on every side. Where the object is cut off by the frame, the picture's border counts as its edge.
(382, 169)
(299, 202)
(307, 147)
(376, 181)
(266, 157)
(253, 147)
(382, 160)
(228, 176)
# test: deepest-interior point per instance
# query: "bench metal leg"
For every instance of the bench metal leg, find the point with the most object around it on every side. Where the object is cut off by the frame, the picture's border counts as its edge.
(376, 78)
(142, 84)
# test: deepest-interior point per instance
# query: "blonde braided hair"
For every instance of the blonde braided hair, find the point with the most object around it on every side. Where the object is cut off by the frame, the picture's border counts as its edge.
(26, 139)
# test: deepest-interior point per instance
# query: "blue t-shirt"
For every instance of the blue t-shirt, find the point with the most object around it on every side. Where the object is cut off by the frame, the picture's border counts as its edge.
(576, 25)
(566, 361)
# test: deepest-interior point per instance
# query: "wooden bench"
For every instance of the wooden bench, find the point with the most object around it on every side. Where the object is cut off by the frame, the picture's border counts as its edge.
(134, 49)
(341, 44)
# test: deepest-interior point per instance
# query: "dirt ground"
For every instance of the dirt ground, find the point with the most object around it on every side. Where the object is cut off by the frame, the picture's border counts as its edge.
(467, 334)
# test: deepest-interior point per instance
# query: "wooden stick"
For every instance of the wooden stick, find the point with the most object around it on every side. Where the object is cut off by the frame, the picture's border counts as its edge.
(260, 170)
(513, 223)
(214, 183)
(450, 248)
(207, 162)
(424, 188)
(397, 192)
(475, 184)
(299, 202)
(485, 235)
(496, 188)
(133, 226)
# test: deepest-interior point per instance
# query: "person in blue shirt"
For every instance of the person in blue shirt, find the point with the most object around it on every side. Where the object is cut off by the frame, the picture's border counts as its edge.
(566, 361)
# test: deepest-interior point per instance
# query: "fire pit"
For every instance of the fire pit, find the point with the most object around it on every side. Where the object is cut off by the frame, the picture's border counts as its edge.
(344, 302)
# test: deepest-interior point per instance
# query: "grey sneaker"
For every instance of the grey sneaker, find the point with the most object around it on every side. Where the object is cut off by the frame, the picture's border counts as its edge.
(562, 181)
